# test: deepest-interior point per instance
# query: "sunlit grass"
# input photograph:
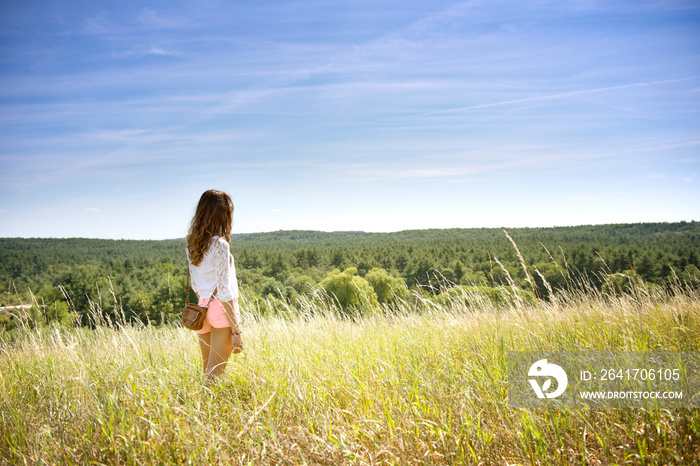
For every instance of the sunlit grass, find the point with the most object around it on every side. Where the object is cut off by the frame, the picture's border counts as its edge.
(423, 384)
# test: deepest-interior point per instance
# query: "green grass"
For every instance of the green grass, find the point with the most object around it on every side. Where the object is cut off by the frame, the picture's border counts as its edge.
(425, 384)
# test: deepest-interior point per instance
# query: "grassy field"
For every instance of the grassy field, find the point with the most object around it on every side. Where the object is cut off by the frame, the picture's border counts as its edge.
(422, 385)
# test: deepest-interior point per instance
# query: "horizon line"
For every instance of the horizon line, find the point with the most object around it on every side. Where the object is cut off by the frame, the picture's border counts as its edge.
(366, 232)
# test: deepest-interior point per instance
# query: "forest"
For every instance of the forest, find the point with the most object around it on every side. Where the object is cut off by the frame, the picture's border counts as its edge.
(78, 281)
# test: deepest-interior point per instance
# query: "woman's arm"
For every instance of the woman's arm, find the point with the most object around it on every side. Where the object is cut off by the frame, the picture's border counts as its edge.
(229, 307)
(227, 292)
(232, 315)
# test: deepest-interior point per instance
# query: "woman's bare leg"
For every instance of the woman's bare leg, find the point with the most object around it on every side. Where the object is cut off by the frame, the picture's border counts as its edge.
(204, 345)
(219, 352)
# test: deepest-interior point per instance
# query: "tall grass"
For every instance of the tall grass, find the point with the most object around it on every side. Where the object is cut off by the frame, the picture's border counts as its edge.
(419, 384)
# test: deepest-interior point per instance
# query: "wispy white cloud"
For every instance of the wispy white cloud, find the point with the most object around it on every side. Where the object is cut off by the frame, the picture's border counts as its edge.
(482, 165)
(153, 19)
(97, 24)
(563, 95)
(145, 51)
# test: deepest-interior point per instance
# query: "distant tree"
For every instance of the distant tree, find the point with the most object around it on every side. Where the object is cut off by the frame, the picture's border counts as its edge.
(621, 283)
(459, 271)
(480, 296)
(313, 258)
(421, 272)
(338, 258)
(554, 277)
(364, 266)
(54, 305)
(302, 284)
(275, 288)
(278, 267)
(389, 289)
(249, 260)
(350, 291)
(401, 261)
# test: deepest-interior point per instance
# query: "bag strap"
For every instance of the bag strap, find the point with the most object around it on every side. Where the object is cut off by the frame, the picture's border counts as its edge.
(187, 288)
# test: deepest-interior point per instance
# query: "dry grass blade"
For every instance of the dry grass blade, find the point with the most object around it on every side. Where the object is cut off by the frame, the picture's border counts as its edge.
(528, 276)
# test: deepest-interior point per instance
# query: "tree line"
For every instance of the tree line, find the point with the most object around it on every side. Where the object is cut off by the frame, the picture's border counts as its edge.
(74, 280)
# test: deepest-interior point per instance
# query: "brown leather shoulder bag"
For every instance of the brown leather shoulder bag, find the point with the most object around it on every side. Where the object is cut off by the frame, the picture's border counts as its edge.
(193, 314)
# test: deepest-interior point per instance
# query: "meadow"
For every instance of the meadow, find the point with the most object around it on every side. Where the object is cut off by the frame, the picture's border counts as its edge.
(418, 383)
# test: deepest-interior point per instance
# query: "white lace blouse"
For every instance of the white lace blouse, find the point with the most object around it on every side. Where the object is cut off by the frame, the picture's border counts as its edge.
(216, 272)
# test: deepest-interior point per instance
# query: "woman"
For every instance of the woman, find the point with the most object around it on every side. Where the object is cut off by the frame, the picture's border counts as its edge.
(214, 277)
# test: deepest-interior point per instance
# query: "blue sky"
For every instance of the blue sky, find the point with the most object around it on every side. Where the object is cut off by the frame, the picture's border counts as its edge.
(355, 115)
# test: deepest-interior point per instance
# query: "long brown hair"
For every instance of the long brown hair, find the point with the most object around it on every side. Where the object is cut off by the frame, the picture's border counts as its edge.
(213, 217)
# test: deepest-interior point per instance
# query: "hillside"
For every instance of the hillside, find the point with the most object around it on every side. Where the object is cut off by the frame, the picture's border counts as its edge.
(145, 279)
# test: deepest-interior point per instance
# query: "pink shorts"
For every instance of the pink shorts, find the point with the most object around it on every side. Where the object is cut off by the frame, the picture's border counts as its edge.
(216, 316)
